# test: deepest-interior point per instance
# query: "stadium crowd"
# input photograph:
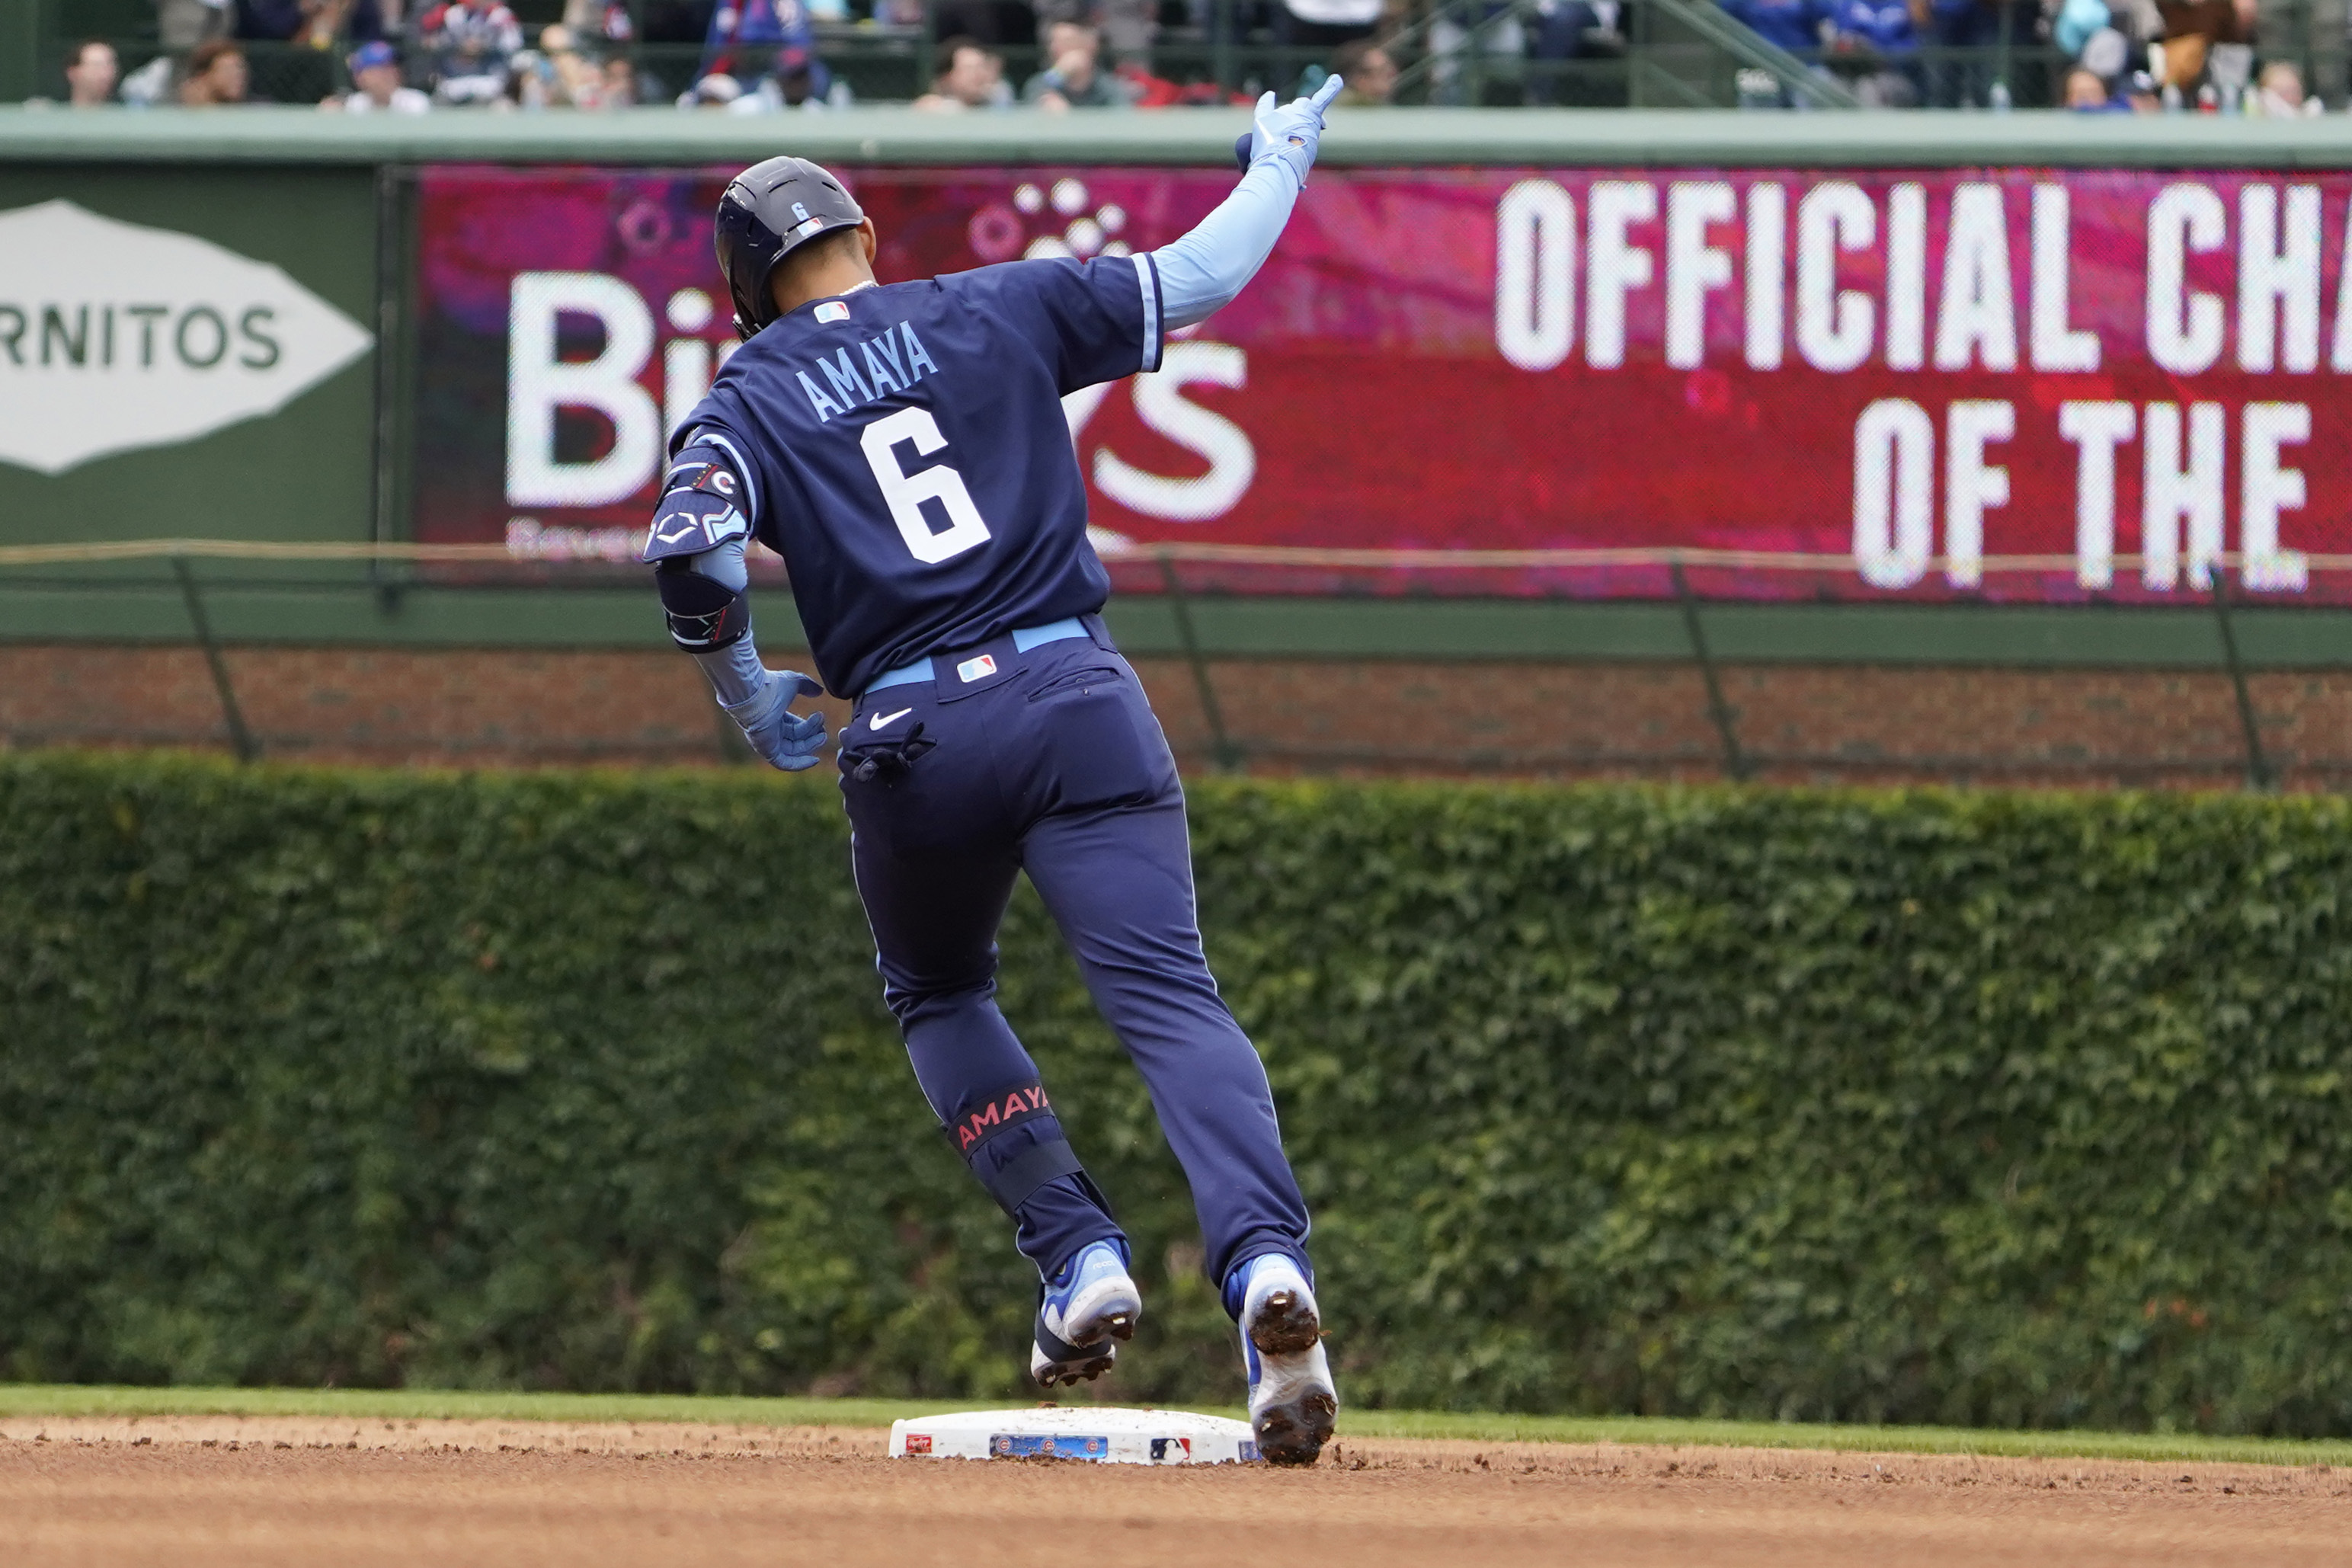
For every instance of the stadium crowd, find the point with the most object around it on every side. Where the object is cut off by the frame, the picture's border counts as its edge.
(2121, 56)
(761, 56)
(754, 55)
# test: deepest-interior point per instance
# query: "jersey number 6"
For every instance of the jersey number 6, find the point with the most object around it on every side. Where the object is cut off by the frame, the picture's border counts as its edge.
(906, 492)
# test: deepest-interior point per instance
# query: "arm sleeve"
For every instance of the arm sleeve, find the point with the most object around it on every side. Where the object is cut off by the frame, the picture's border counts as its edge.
(735, 671)
(1201, 273)
(706, 589)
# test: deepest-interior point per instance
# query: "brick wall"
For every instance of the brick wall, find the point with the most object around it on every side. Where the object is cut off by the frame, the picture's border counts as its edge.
(1797, 723)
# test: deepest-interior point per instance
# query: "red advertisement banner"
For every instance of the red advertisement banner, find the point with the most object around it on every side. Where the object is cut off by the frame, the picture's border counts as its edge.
(2020, 383)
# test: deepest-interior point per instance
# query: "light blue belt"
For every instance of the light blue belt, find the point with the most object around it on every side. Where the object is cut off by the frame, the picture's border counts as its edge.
(1023, 639)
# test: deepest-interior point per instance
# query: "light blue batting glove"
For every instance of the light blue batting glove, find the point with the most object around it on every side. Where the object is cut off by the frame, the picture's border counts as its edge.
(1290, 132)
(787, 740)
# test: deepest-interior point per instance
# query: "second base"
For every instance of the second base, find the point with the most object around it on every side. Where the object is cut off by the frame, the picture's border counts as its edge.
(1103, 1435)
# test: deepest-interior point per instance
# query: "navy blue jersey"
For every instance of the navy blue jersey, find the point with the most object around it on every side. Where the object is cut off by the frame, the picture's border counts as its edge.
(906, 453)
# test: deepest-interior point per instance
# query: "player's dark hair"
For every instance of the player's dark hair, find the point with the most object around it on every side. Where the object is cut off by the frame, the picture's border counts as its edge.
(823, 246)
(815, 253)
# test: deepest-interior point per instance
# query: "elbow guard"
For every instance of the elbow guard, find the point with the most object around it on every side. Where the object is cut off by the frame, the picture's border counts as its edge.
(698, 511)
(704, 615)
(698, 517)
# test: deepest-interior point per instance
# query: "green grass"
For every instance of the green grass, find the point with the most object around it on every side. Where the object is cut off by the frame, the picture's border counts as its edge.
(422, 1403)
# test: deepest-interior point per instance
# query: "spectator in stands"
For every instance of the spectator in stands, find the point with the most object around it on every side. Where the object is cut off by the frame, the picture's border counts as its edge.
(1319, 24)
(2279, 91)
(571, 77)
(1967, 25)
(473, 44)
(317, 23)
(1878, 41)
(1073, 77)
(970, 76)
(798, 79)
(185, 24)
(1793, 25)
(2076, 22)
(2106, 54)
(717, 90)
(1127, 28)
(1564, 30)
(746, 36)
(378, 90)
(2139, 21)
(269, 21)
(1368, 71)
(2192, 30)
(152, 83)
(1159, 93)
(216, 76)
(620, 84)
(91, 74)
(1490, 28)
(606, 19)
(307, 76)
(2087, 93)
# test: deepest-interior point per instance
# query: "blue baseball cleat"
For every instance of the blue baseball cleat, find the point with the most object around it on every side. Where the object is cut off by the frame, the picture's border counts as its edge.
(1083, 1318)
(1293, 1405)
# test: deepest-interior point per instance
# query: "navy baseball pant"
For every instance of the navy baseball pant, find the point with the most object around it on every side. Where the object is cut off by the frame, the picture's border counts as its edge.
(1051, 761)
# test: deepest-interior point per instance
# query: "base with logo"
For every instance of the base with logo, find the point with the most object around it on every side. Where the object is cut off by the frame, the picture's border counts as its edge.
(1103, 1435)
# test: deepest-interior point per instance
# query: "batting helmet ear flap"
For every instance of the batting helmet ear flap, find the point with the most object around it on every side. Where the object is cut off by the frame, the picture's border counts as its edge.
(748, 252)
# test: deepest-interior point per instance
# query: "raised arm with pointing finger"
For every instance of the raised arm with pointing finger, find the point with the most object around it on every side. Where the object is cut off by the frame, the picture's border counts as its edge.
(1202, 272)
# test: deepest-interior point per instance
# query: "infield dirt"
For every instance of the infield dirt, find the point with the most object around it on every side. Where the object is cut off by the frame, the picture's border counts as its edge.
(255, 1492)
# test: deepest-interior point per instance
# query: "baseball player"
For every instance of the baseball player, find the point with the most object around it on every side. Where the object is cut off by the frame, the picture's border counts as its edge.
(903, 447)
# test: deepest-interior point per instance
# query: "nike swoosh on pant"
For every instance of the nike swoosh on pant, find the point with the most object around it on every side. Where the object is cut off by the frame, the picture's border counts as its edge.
(880, 720)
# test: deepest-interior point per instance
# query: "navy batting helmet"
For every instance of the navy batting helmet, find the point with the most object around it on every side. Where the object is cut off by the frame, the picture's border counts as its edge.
(770, 210)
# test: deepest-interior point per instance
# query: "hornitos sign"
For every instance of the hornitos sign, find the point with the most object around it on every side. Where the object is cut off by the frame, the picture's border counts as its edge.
(114, 336)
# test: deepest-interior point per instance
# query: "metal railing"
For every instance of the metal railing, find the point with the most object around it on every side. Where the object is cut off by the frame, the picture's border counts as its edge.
(1174, 574)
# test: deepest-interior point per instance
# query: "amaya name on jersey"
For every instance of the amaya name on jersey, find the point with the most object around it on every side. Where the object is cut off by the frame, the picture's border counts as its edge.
(903, 447)
(894, 362)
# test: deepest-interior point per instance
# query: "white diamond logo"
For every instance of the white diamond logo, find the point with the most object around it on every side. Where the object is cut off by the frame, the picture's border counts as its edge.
(114, 337)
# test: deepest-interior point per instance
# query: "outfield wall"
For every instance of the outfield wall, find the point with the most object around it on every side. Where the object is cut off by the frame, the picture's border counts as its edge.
(1489, 330)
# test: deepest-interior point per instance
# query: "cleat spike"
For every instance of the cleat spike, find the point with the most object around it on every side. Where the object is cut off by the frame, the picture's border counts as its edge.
(1294, 1408)
(1082, 1318)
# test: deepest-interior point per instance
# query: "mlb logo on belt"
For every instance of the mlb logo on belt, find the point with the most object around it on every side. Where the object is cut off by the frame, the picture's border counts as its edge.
(978, 669)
